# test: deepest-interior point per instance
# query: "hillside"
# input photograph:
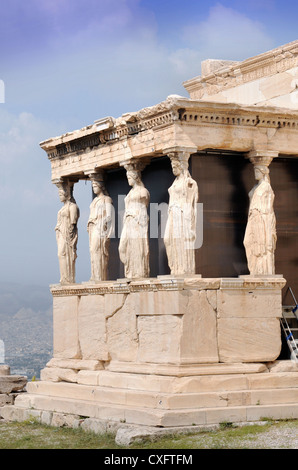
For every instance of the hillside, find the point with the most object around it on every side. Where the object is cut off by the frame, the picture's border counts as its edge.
(26, 327)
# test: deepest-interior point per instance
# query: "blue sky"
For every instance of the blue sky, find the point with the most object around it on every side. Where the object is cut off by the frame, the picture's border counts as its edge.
(66, 63)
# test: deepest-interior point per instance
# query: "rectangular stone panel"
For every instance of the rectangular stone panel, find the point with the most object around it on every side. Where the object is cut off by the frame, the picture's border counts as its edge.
(159, 338)
(248, 340)
(92, 327)
(160, 302)
(65, 327)
(122, 336)
(244, 303)
(199, 339)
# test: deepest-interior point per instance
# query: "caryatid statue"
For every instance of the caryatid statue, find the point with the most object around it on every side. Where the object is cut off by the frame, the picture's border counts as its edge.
(180, 230)
(260, 235)
(100, 228)
(67, 232)
(134, 242)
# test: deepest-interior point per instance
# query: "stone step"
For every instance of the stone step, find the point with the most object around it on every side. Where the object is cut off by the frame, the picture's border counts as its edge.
(160, 383)
(160, 401)
(203, 383)
(35, 405)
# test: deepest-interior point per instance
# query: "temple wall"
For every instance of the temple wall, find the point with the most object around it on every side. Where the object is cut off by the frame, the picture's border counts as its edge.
(168, 321)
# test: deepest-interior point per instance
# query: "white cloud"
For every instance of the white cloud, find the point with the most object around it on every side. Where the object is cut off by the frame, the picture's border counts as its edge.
(228, 34)
(186, 63)
(23, 170)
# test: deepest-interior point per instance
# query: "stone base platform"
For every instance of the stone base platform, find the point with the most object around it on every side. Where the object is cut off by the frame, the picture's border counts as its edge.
(200, 397)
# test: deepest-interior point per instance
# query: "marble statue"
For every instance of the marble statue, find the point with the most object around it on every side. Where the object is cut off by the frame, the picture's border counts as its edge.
(134, 243)
(67, 233)
(100, 227)
(260, 235)
(180, 230)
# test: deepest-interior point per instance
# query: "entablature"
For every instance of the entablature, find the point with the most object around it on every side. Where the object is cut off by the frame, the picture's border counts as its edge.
(177, 121)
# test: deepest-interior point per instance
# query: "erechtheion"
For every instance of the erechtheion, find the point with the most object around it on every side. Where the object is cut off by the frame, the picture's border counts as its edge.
(179, 323)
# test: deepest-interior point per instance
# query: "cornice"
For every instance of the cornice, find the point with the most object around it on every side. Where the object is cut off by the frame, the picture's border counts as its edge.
(263, 65)
(167, 283)
(174, 110)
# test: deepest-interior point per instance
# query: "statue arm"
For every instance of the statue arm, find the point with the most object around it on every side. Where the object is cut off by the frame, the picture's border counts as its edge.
(108, 218)
(73, 217)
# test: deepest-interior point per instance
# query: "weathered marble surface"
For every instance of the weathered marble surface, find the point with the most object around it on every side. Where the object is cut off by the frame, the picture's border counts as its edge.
(260, 235)
(67, 233)
(180, 231)
(100, 228)
(134, 241)
(169, 321)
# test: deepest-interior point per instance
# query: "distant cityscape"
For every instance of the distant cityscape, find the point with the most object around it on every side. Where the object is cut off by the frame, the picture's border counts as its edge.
(29, 366)
(26, 328)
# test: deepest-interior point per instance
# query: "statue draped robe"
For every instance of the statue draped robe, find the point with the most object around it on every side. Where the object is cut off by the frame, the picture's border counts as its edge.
(260, 234)
(180, 231)
(67, 238)
(100, 228)
(134, 243)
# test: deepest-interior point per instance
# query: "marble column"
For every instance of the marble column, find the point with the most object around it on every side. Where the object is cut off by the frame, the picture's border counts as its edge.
(260, 235)
(99, 227)
(134, 241)
(180, 231)
(67, 231)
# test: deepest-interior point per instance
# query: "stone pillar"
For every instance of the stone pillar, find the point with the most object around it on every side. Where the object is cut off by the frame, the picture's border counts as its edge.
(180, 231)
(260, 235)
(134, 241)
(99, 227)
(67, 231)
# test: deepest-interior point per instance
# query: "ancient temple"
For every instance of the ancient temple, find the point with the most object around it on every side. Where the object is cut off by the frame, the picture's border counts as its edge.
(179, 323)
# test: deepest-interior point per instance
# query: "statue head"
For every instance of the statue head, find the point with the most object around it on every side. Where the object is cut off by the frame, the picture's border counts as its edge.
(179, 164)
(261, 172)
(133, 177)
(133, 172)
(65, 189)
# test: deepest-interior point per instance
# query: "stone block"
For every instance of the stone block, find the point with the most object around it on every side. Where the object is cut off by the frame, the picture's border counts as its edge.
(199, 336)
(181, 330)
(245, 303)
(276, 380)
(23, 400)
(14, 413)
(65, 327)
(122, 335)
(6, 399)
(88, 377)
(159, 338)
(248, 340)
(65, 420)
(94, 425)
(183, 418)
(226, 415)
(283, 366)
(57, 374)
(282, 411)
(76, 364)
(209, 383)
(272, 396)
(160, 302)
(92, 327)
(46, 417)
(12, 383)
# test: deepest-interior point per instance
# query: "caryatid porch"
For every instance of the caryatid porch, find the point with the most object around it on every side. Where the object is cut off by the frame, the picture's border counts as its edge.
(164, 349)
